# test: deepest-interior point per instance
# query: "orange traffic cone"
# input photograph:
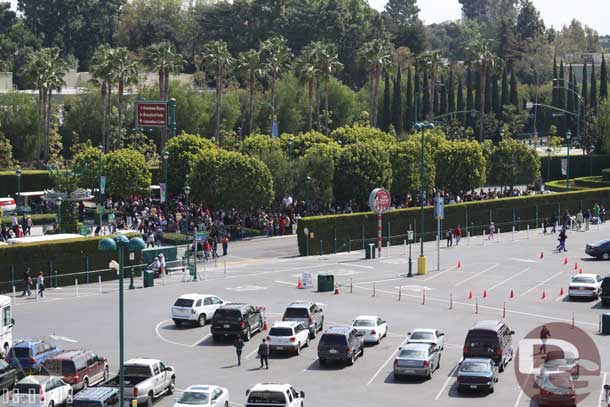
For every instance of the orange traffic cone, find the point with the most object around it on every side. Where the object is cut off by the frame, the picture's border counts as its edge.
(575, 266)
(470, 295)
(541, 255)
(484, 293)
(565, 261)
(459, 266)
(561, 291)
(299, 283)
(580, 272)
(512, 294)
(543, 295)
(265, 326)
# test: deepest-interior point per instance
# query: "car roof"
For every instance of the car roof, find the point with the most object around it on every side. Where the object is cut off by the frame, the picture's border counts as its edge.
(271, 387)
(338, 330)
(424, 330)
(194, 296)
(202, 388)
(95, 393)
(492, 325)
(416, 346)
(300, 304)
(585, 275)
(38, 379)
(476, 360)
(142, 361)
(69, 354)
(366, 317)
(234, 305)
(26, 344)
(285, 324)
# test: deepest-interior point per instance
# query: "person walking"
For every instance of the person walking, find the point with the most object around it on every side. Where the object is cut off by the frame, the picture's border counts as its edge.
(545, 334)
(263, 354)
(554, 223)
(150, 239)
(225, 245)
(239, 346)
(27, 281)
(587, 216)
(562, 240)
(580, 219)
(449, 237)
(492, 230)
(457, 233)
(40, 284)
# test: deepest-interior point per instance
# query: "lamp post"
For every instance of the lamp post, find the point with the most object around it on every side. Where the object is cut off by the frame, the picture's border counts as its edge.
(308, 182)
(99, 176)
(134, 244)
(568, 141)
(18, 174)
(187, 191)
(290, 141)
(165, 191)
(421, 263)
(409, 235)
(549, 152)
(59, 201)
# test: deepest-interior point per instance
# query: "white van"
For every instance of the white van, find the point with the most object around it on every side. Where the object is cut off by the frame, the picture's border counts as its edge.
(8, 205)
(6, 327)
(195, 308)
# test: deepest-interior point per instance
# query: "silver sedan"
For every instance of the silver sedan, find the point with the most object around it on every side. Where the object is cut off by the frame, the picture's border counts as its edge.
(417, 359)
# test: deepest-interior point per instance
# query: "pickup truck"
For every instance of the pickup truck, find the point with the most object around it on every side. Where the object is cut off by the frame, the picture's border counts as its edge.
(274, 394)
(146, 380)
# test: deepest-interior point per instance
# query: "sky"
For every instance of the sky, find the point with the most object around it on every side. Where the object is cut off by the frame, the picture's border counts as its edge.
(556, 13)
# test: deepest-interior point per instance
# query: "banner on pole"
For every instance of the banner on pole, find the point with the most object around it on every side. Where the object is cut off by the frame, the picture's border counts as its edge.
(439, 207)
(564, 166)
(162, 192)
(102, 184)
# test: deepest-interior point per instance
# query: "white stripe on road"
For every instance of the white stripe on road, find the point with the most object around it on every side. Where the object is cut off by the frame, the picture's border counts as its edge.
(358, 265)
(438, 274)
(493, 287)
(249, 355)
(386, 362)
(167, 340)
(285, 283)
(542, 283)
(477, 274)
(201, 340)
(519, 398)
(442, 390)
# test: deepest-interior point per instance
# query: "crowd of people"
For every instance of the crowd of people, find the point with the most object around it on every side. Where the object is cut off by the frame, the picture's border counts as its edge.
(18, 228)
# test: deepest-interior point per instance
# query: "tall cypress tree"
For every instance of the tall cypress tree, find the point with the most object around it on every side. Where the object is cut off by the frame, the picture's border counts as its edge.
(442, 104)
(426, 97)
(450, 92)
(505, 92)
(585, 89)
(469, 97)
(495, 98)
(561, 98)
(593, 97)
(514, 92)
(570, 95)
(460, 100)
(386, 117)
(488, 104)
(417, 109)
(409, 107)
(435, 100)
(556, 83)
(603, 81)
(397, 103)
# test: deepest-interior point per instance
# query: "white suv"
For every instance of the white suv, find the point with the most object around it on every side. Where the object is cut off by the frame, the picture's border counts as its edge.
(288, 336)
(40, 391)
(281, 395)
(195, 308)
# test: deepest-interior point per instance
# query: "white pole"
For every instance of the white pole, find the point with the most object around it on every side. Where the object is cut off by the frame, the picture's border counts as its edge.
(163, 275)
(438, 244)
(499, 234)
(15, 296)
(513, 233)
(388, 247)
(528, 231)
(99, 283)
(468, 239)
(404, 252)
(142, 278)
(36, 291)
(76, 286)
(203, 270)
(483, 237)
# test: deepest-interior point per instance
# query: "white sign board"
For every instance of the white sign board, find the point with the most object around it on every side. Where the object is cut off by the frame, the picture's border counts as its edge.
(564, 166)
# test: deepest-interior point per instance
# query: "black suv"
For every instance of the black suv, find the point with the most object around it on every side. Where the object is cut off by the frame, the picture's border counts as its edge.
(605, 291)
(235, 319)
(490, 339)
(340, 343)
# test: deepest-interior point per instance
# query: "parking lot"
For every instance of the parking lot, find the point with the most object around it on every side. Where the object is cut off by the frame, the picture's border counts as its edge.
(505, 278)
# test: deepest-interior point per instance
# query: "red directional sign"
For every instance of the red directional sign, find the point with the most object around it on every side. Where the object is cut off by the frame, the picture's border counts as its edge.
(151, 114)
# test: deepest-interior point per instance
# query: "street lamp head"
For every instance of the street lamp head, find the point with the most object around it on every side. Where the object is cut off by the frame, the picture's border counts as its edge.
(429, 125)
(106, 245)
(121, 240)
(308, 178)
(18, 171)
(100, 148)
(290, 140)
(187, 190)
(569, 134)
(165, 155)
(418, 126)
(136, 244)
(59, 200)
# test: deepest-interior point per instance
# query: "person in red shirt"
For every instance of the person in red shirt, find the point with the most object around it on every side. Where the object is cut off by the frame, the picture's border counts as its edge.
(457, 234)
(282, 225)
(206, 250)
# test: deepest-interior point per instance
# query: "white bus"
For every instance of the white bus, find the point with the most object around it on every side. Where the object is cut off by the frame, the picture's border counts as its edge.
(6, 329)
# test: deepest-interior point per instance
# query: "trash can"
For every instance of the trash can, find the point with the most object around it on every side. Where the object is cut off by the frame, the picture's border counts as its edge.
(326, 283)
(149, 278)
(606, 324)
(369, 251)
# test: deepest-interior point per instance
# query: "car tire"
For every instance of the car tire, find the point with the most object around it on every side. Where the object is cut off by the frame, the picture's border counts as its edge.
(307, 342)
(150, 400)
(51, 403)
(177, 322)
(201, 320)
(248, 335)
(352, 359)
(438, 365)
(606, 256)
(298, 350)
(85, 383)
(226, 404)
(106, 373)
(312, 333)
(491, 388)
(172, 386)
(429, 375)
(216, 338)
(501, 366)
(361, 351)
(322, 362)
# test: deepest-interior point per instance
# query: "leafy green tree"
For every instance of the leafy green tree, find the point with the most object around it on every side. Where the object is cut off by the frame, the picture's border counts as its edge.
(593, 94)
(318, 163)
(529, 23)
(18, 121)
(603, 79)
(124, 71)
(183, 150)
(514, 91)
(328, 65)
(360, 134)
(397, 113)
(297, 145)
(6, 152)
(462, 166)
(127, 173)
(360, 168)
(513, 163)
(102, 76)
(386, 116)
(599, 128)
(223, 179)
(249, 62)
(307, 69)
(401, 12)
(409, 104)
(86, 165)
(405, 158)
(432, 62)
(585, 89)
(276, 56)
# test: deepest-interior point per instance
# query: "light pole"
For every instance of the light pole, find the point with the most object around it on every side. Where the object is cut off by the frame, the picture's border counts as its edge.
(18, 174)
(99, 176)
(421, 262)
(187, 191)
(591, 151)
(308, 186)
(59, 201)
(290, 141)
(409, 234)
(568, 141)
(165, 191)
(549, 152)
(134, 244)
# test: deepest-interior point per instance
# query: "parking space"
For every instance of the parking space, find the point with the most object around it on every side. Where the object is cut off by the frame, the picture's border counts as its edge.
(508, 280)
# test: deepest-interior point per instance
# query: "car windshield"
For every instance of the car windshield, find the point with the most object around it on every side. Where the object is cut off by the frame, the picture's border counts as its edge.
(227, 314)
(582, 279)
(21, 352)
(412, 354)
(57, 367)
(280, 332)
(137, 370)
(296, 313)
(363, 323)
(266, 397)
(184, 302)
(422, 336)
(601, 243)
(27, 388)
(475, 367)
(330, 339)
(194, 397)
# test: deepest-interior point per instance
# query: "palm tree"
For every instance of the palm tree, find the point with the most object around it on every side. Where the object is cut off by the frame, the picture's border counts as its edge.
(377, 54)
(217, 58)
(250, 63)
(432, 61)
(481, 56)
(34, 70)
(124, 71)
(276, 57)
(306, 66)
(102, 76)
(329, 65)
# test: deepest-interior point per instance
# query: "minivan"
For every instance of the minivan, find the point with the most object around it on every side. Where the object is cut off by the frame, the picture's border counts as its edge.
(79, 368)
(605, 291)
(97, 397)
(490, 339)
(340, 344)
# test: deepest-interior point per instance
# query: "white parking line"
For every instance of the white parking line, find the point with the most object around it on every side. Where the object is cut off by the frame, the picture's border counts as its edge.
(442, 390)
(167, 340)
(542, 283)
(285, 283)
(508, 279)
(201, 340)
(358, 265)
(249, 355)
(477, 274)
(438, 274)
(386, 362)
(519, 398)
(602, 392)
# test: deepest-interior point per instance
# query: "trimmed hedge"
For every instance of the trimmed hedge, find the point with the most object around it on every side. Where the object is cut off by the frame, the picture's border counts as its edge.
(606, 174)
(355, 231)
(580, 166)
(38, 219)
(577, 184)
(65, 257)
(31, 180)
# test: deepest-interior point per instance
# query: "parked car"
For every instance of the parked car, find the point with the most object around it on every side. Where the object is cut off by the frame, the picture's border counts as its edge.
(477, 374)
(195, 309)
(288, 336)
(600, 250)
(490, 339)
(417, 359)
(203, 395)
(371, 328)
(96, 397)
(559, 361)
(556, 389)
(271, 394)
(340, 344)
(309, 314)
(235, 319)
(8, 376)
(422, 335)
(79, 368)
(28, 356)
(146, 380)
(40, 391)
(605, 291)
(7, 205)
(585, 286)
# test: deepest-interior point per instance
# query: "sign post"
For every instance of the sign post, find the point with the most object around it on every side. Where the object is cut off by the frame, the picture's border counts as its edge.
(439, 213)
(379, 202)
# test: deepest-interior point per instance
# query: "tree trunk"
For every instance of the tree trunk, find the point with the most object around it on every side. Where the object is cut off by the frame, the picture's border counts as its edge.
(109, 111)
(432, 91)
(218, 94)
(318, 126)
(373, 100)
(166, 83)
(376, 95)
(161, 85)
(310, 93)
(104, 112)
(326, 108)
(251, 100)
(119, 124)
(48, 125)
(273, 79)
(39, 129)
(482, 79)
